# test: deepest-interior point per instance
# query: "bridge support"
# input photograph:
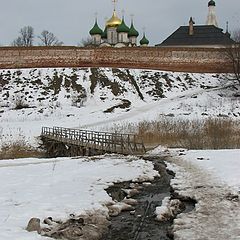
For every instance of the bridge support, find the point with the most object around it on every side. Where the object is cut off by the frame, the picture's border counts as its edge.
(55, 148)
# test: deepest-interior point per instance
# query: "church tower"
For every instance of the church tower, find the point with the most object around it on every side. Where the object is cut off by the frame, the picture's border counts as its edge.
(116, 33)
(112, 24)
(211, 18)
(96, 33)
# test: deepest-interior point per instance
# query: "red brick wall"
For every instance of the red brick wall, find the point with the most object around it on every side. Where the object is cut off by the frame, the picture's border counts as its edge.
(172, 59)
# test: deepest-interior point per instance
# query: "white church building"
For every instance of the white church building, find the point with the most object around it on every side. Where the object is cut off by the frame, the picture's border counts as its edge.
(116, 33)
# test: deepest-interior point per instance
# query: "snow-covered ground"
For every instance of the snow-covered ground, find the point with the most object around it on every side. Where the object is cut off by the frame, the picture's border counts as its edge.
(79, 98)
(224, 165)
(59, 187)
(211, 177)
(63, 186)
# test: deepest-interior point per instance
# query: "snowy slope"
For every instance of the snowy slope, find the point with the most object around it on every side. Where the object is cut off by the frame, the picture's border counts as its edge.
(96, 97)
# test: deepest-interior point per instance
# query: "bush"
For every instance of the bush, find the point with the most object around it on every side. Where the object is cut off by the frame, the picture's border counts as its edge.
(20, 104)
(18, 149)
(212, 133)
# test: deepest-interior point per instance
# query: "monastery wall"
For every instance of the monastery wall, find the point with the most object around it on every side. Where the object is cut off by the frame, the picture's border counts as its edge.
(170, 59)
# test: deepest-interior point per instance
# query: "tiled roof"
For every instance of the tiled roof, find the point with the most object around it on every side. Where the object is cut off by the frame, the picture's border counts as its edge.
(203, 35)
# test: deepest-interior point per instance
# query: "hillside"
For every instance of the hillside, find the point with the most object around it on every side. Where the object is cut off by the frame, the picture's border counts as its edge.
(96, 97)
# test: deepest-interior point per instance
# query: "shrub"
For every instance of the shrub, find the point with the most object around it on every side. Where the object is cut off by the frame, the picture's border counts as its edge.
(19, 149)
(212, 133)
(20, 104)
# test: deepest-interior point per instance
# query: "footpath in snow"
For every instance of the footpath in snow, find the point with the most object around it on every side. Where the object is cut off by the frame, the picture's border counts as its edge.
(211, 177)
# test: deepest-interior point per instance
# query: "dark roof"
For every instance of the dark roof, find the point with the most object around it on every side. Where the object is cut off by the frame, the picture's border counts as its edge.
(203, 35)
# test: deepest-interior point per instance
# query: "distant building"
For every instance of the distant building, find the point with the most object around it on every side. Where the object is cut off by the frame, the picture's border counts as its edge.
(116, 33)
(209, 35)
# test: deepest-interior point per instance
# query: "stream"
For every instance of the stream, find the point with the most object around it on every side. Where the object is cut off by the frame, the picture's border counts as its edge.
(141, 224)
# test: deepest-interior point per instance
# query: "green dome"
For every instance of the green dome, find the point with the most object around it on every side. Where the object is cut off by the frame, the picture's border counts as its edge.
(123, 27)
(104, 34)
(133, 32)
(96, 29)
(144, 40)
(211, 3)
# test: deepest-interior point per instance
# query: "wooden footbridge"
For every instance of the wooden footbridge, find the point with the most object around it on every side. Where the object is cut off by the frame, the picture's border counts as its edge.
(60, 142)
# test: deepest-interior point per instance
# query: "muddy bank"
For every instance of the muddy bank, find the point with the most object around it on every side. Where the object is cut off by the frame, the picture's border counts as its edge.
(141, 223)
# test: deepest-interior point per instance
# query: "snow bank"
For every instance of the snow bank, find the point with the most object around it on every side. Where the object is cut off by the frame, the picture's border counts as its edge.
(163, 212)
(169, 209)
(224, 165)
(59, 187)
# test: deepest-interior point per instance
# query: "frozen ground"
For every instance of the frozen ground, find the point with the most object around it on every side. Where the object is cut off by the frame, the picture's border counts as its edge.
(211, 177)
(59, 187)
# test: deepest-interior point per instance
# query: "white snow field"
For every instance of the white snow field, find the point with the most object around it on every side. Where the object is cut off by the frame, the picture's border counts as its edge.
(59, 187)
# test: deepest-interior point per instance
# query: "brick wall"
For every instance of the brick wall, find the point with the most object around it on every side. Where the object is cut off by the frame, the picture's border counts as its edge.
(173, 59)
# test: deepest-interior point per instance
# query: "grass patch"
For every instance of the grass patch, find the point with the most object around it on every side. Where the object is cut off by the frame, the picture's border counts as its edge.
(212, 133)
(19, 149)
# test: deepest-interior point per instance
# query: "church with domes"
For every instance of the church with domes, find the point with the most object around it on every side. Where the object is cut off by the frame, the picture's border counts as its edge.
(116, 33)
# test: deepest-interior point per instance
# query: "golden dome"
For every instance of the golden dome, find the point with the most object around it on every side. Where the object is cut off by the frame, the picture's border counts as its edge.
(114, 21)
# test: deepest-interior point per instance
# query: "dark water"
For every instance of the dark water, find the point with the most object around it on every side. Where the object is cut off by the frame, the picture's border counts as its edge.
(142, 225)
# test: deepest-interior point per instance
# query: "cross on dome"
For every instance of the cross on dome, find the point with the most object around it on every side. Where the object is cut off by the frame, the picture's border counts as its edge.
(114, 4)
(96, 15)
(123, 13)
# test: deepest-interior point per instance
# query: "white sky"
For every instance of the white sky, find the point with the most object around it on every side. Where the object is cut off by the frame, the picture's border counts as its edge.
(71, 20)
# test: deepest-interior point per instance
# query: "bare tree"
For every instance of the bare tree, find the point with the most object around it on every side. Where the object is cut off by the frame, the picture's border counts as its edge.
(26, 37)
(86, 42)
(18, 42)
(233, 54)
(49, 39)
(236, 35)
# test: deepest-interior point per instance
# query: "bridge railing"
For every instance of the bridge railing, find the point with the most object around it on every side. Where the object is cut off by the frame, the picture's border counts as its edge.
(112, 142)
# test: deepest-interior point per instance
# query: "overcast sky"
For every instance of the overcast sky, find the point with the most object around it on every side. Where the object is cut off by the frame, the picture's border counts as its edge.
(71, 20)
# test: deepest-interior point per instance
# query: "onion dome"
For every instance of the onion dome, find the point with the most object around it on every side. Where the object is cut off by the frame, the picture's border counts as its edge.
(133, 32)
(123, 28)
(96, 29)
(211, 3)
(114, 21)
(144, 40)
(104, 34)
